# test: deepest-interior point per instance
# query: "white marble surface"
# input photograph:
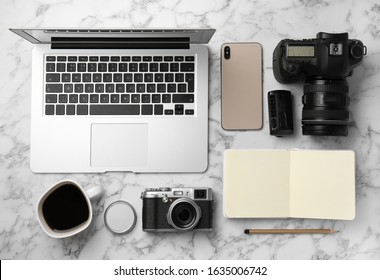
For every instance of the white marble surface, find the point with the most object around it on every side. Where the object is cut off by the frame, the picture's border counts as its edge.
(264, 21)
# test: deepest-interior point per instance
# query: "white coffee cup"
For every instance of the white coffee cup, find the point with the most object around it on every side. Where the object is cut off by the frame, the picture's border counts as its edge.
(65, 208)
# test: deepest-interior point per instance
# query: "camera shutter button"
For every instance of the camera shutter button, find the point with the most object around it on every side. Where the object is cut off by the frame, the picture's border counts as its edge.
(165, 199)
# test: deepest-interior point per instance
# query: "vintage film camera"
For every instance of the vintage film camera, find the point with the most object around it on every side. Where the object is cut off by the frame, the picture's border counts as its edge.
(177, 209)
(325, 62)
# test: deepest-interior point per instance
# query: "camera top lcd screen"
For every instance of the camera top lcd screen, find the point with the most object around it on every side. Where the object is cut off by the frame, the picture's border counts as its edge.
(301, 51)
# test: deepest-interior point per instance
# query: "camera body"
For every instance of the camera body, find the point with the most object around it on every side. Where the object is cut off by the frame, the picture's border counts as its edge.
(177, 209)
(329, 56)
(325, 62)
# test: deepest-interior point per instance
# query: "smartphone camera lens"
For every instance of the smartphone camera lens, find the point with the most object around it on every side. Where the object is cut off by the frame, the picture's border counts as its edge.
(227, 52)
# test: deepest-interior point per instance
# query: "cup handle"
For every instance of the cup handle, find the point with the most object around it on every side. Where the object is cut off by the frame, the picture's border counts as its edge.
(94, 192)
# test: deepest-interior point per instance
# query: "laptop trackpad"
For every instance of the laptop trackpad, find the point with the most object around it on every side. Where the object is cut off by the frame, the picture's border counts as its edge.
(118, 145)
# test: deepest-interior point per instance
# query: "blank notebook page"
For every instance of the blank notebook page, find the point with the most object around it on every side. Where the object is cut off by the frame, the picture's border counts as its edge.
(256, 183)
(322, 184)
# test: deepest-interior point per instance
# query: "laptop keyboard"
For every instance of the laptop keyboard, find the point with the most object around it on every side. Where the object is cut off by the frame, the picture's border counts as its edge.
(119, 85)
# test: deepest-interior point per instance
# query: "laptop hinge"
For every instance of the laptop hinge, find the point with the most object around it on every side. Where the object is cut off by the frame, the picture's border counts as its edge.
(119, 43)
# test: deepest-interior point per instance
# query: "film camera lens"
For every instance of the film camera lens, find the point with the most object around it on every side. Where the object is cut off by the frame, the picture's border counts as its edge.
(325, 110)
(183, 214)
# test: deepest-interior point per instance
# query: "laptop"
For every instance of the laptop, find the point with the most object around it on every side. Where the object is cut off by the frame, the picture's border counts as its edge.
(119, 100)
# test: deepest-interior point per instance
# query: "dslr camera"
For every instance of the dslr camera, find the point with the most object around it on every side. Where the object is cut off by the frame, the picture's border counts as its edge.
(177, 209)
(325, 62)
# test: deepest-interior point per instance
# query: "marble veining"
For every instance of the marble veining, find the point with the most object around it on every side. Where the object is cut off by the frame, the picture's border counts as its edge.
(266, 22)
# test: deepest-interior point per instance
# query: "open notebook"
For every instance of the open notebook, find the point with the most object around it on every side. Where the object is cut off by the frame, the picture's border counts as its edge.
(289, 183)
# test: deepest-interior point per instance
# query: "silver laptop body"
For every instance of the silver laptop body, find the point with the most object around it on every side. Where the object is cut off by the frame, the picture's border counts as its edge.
(120, 122)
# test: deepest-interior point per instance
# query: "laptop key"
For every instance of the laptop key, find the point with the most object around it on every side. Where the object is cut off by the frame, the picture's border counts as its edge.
(92, 67)
(72, 58)
(52, 78)
(61, 67)
(128, 78)
(136, 58)
(82, 67)
(147, 109)
(102, 67)
(107, 78)
(68, 88)
(133, 67)
(94, 58)
(125, 98)
(61, 58)
(172, 87)
(140, 88)
(123, 67)
(183, 98)
(49, 109)
(50, 58)
(66, 78)
(117, 78)
(110, 88)
(168, 58)
(119, 109)
(99, 88)
(145, 98)
(143, 67)
(89, 88)
(178, 109)
(153, 67)
(76, 78)
(179, 77)
(187, 67)
(104, 98)
(138, 77)
(83, 98)
(54, 88)
(86, 78)
(168, 112)
(104, 58)
(60, 110)
(78, 88)
(148, 77)
(71, 67)
(130, 88)
(125, 58)
(97, 78)
(189, 58)
(159, 77)
(63, 98)
(151, 87)
(156, 98)
(70, 109)
(135, 98)
(164, 67)
(114, 98)
(147, 58)
(189, 78)
(112, 67)
(181, 87)
(73, 98)
(82, 109)
(51, 98)
(158, 109)
(115, 58)
(189, 112)
(120, 88)
(161, 88)
(94, 98)
(166, 98)
(157, 58)
(83, 58)
(169, 77)
(178, 58)
(50, 67)
(174, 67)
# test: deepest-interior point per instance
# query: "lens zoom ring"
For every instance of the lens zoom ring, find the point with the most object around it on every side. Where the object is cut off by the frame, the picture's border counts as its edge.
(325, 114)
(308, 88)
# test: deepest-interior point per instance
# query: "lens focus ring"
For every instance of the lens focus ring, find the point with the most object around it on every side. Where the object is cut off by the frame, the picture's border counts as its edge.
(340, 88)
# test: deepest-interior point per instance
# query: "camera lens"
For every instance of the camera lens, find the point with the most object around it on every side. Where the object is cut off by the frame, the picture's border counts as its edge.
(325, 110)
(183, 214)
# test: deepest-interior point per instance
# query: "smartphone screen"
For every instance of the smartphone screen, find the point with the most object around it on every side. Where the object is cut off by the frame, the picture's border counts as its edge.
(241, 77)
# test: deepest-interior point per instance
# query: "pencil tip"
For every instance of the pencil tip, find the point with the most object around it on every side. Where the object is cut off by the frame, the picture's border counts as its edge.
(246, 231)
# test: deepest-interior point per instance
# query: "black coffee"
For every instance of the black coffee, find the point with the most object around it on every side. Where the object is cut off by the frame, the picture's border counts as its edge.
(65, 208)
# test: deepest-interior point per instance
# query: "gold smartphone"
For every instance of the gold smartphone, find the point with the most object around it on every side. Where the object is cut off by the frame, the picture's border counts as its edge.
(241, 70)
